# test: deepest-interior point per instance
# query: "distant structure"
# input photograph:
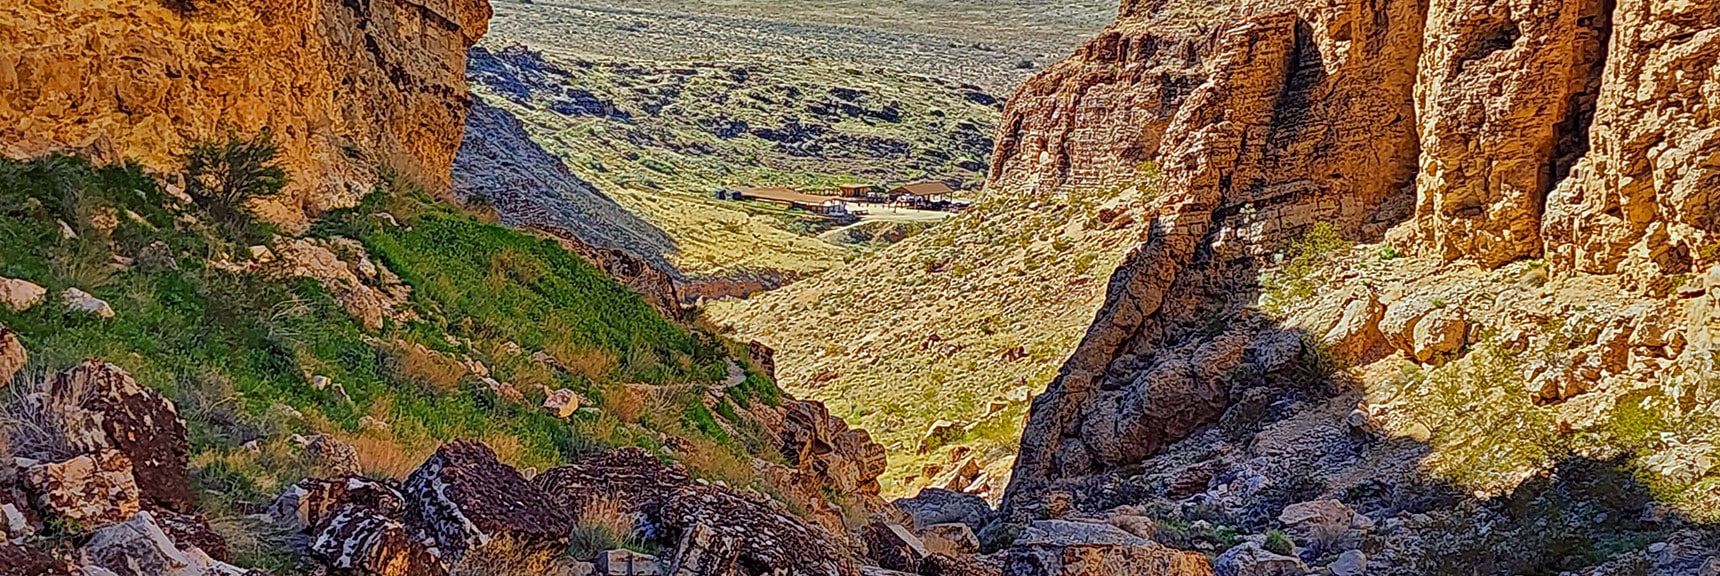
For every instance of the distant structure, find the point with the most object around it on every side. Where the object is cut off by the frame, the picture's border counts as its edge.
(826, 205)
(931, 195)
(855, 190)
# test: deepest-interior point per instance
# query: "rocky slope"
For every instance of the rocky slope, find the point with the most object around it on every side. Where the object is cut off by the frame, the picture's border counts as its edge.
(345, 86)
(1526, 318)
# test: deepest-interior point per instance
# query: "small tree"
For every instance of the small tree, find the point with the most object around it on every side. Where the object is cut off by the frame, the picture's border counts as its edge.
(223, 177)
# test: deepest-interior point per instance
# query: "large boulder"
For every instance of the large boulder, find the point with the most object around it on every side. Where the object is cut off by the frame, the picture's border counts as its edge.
(1249, 559)
(13, 357)
(359, 542)
(139, 547)
(463, 497)
(635, 479)
(80, 301)
(21, 295)
(950, 539)
(92, 490)
(99, 407)
(305, 505)
(770, 538)
(937, 506)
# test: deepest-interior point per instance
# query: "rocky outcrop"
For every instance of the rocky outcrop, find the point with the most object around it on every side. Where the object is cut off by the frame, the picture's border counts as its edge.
(26, 561)
(1640, 202)
(761, 535)
(846, 458)
(371, 293)
(462, 497)
(344, 86)
(363, 542)
(1298, 123)
(101, 408)
(139, 547)
(1505, 97)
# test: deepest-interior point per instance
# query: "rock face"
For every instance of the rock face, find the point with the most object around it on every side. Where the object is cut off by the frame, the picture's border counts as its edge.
(463, 497)
(138, 79)
(1505, 97)
(1641, 201)
(818, 442)
(1573, 130)
(1248, 160)
(360, 541)
(101, 408)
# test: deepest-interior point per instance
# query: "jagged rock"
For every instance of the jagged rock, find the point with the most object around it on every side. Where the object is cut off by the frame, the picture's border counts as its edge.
(462, 497)
(950, 539)
(562, 403)
(635, 479)
(20, 560)
(99, 407)
(1148, 559)
(763, 357)
(1249, 559)
(361, 542)
(936, 506)
(139, 547)
(769, 535)
(893, 547)
(846, 458)
(704, 552)
(93, 490)
(13, 356)
(320, 260)
(21, 295)
(307, 504)
(82, 302)
(1503, 97)
(629, 563)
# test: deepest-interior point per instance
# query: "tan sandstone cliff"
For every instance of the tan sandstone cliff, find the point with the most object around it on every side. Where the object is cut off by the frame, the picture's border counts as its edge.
(1467, 135)
(345, 86)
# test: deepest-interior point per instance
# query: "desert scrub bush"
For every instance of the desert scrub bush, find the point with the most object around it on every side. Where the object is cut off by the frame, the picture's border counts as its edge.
(1488, 433)
(1306, 258)
(1278, 543)
(604, 524)
(225, 177)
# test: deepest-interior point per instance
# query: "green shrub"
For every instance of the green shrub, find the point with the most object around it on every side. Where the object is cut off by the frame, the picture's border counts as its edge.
(1278, 543)
(223, 177)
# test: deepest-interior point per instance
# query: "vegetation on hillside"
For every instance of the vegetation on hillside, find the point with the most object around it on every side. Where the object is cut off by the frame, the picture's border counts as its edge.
(239, 348)
(663, 138)
(947, 324)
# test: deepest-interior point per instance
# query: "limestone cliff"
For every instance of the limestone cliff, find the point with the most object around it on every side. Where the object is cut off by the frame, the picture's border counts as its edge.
(1533, 183)
(345, 86)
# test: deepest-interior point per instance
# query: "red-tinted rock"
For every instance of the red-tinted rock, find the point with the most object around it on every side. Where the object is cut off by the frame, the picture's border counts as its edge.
(16, 560)
(463, 496)
(101, 407)
(91, 490)
(634, 478)
(771, 539)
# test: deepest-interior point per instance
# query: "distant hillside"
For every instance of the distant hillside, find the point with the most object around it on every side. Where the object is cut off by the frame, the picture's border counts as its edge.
(997, 45)
(661, 138)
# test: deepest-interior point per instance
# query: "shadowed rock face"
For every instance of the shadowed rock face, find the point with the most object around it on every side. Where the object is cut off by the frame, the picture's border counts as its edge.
(1300, 121)
(343, 85)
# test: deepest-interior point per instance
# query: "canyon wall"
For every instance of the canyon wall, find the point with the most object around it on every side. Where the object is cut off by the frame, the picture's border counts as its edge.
(1471, 133)
(345, 86)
